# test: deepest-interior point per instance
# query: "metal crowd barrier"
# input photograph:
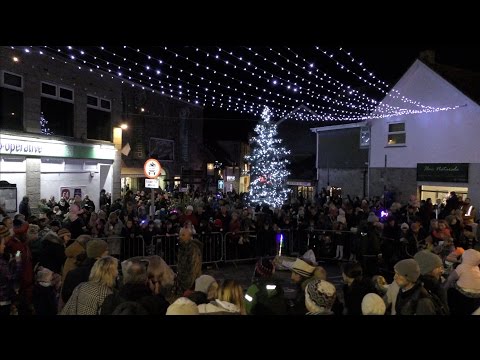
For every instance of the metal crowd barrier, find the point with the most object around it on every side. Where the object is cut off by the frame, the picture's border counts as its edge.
(166, 246)
(213, 247)
(125, 248)
(240, 246)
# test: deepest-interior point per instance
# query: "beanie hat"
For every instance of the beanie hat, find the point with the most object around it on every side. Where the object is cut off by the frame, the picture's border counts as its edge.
(183, 306)
(44, 276)
(300, 267)
(372, 304)
(409, 269)
(264, 267)
(319, 295)
(404, 226)
(203, 282)
(20, 227)
(96, 247)
(63, 231)
(459, 251)
(427, 261)
(4, 232)
(189, 207)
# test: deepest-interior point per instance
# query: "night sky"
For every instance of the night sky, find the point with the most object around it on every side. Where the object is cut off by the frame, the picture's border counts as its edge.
(389, 63)
(234, 82)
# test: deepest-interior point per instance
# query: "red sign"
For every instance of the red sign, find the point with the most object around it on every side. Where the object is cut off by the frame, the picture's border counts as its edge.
(152, 168)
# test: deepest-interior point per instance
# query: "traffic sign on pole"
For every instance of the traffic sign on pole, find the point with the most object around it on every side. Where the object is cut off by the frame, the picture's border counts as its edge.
(152, 168)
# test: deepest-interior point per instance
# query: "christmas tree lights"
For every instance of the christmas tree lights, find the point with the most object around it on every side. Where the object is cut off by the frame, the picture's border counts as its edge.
(44, 125)
(268, 161)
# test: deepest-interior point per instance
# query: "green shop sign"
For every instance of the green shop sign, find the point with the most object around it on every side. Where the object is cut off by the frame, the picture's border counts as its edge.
(457, 173)
(31, 147)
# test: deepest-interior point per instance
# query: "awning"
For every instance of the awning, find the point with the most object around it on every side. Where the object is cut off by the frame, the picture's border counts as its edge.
(132, 172)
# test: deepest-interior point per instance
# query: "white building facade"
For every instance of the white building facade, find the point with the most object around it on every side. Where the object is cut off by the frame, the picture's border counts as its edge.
(427, 154)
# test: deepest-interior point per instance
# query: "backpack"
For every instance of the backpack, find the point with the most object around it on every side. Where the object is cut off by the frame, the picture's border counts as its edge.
(440, 308)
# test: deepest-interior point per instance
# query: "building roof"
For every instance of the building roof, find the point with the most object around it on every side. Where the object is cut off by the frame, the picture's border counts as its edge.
(467, 81)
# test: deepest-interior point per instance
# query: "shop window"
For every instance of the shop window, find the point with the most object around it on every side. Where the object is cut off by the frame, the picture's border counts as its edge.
(396, 134)
(11, 101)
(99, 124)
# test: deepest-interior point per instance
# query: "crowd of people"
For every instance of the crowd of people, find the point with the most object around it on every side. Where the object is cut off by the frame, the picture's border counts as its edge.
(56, 259)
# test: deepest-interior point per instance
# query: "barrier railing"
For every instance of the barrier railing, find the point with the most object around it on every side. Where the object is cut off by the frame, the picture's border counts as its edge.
(240, 246)
(213, 247)
(244, 245)
(166, 246)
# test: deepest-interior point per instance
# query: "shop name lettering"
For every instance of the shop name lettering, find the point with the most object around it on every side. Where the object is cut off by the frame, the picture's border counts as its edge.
(441, 168)
(21, 148)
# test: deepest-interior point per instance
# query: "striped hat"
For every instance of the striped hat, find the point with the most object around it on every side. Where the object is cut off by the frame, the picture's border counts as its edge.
(63, 231)
(300, 267)
(4, 232)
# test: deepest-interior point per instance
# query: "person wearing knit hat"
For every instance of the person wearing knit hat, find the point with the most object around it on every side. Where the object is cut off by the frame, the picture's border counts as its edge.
(183, 306)
(320, 296)
(97, 248)
(66, 236)
(4, 232)
(429, 262)
(205, 290)
(431, 270)
(64, 232)
(264, 268)
(404, 226)
(409, 269)
(300, 267)
(302, 273)
(372, 304)
(412, 298)
(203, 282)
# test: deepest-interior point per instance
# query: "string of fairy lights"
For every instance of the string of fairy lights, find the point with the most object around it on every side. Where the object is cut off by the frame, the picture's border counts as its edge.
(370, 74)
(164, 86)
(211, 78)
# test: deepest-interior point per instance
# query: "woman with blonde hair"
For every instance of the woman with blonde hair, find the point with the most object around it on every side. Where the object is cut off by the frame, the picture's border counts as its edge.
(229, 300)
(88, 297)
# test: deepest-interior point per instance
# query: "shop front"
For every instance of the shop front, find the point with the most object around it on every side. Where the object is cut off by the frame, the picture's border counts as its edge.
(437, 181)
(42, 167)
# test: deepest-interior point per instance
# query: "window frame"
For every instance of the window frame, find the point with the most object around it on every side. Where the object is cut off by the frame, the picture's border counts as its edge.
(57, 92)
(8, 86)
(397, 133)
(99, 103)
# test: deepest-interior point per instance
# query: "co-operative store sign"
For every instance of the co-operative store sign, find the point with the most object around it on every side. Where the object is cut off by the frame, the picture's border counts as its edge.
(30, 147)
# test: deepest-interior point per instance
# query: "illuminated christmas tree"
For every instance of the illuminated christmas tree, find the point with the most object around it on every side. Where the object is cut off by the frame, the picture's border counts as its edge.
(268, 175)
(43, 125)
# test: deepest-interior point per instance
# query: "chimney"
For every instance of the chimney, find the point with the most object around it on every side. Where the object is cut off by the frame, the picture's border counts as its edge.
(427, 56)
